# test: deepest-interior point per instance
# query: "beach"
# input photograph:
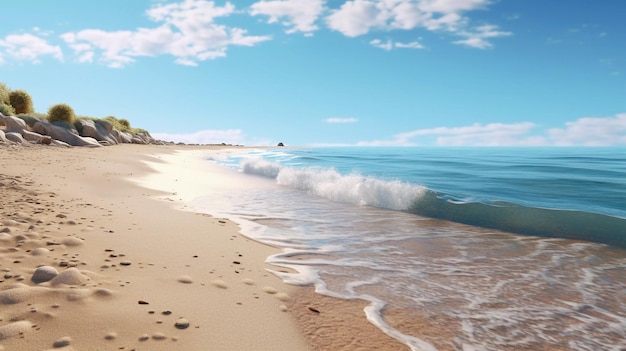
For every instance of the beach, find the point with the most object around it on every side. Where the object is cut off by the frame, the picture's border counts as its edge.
(91, 260)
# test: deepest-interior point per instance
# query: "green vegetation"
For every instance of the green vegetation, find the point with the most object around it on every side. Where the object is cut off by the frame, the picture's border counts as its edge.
(7, 110)
(21, 101)
(4, 94)
(61, 112)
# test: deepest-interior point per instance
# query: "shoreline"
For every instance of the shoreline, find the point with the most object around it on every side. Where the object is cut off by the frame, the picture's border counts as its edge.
(131, 249)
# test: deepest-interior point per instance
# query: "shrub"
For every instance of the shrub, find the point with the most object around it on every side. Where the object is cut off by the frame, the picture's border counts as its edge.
(61, 112)
(125, 123)
(4, 94)
(120, 124)
(7, 109)
(21, 101)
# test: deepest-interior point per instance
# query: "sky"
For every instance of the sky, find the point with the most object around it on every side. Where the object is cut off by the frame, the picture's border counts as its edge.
(329, 72)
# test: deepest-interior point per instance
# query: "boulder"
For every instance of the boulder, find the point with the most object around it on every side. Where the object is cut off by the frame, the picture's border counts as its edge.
(13, 124)
(3, 138)
(15, 137)
(33, 137)
(54, 142)
(43, 274)
(99, 131)
(122, 137)
(64, 135)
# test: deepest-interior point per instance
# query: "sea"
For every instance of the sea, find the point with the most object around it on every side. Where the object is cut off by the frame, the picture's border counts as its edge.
(499, 248)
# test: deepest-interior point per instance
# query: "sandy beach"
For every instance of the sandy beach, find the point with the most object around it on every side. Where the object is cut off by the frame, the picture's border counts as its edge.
(90, 259)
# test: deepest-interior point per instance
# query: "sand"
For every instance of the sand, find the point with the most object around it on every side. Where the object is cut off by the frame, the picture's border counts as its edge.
(91, 259)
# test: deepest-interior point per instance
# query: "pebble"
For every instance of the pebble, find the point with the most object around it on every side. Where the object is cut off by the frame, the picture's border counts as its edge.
(220, 284)
(159, 336)
(62, 342)
(43, 274)
(111, 336)
(185, 279)
(182, 323)
(126, 263)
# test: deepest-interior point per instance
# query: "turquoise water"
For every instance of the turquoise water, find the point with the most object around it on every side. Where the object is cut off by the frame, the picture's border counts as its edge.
(509, 248)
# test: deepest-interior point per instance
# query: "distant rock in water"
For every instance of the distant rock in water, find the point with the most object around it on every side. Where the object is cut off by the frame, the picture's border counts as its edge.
(281, 144)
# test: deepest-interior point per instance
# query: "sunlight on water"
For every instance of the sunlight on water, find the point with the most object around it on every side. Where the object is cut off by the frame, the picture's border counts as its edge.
(434, 284)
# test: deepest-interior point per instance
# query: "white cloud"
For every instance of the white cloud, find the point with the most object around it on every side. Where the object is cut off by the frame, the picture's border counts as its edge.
(389, 44)
(588, 131)
(188, 32)
(478, 38)
(591, 131)
(341, 120)
(358, 17)
(298, 15)
(229, 136)
(28, 47)
(385, 45)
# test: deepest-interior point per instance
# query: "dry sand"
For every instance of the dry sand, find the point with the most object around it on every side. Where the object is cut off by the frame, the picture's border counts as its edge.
(92, 261)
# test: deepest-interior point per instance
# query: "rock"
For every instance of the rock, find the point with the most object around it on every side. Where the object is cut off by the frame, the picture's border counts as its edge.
(99, 130)
(32, 136)
(14, 124)
(122, 137)
(280, 144)
(3, 138)
(44, 274)
(15, 137)
(62, 342)
(65, 135)
(182, 323)
(55, 142)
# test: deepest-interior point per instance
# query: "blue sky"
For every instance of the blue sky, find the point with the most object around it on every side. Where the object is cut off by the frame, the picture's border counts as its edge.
(329, 72)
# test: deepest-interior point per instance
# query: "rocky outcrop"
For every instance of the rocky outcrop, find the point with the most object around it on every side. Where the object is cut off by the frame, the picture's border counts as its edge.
(12, 123)
(36, 137)
(90, 133)
(99, 130)
(64, 135)
(15, 137)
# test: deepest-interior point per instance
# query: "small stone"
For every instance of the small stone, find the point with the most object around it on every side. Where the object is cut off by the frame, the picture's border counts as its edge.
(111, 336)
(43, 274)
(166, 312)
(220, 284)
(182, 324)
(159, 336)
(144, 337)
(125, 263)
(142, 302)
(62, 342)
(185, 279)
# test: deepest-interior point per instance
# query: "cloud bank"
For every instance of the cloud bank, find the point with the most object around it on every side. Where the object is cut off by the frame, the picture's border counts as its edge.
(588, 131)
(191, 31)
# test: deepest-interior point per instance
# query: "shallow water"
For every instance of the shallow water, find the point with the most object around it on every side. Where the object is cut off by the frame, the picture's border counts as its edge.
(480, 288)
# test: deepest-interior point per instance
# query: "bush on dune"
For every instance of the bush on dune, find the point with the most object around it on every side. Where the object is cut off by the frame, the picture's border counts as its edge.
(7, 110)
(61, 113)
(4, 94)
(21, 101)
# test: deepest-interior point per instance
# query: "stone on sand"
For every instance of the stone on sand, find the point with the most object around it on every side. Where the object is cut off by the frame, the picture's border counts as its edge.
(43, 274)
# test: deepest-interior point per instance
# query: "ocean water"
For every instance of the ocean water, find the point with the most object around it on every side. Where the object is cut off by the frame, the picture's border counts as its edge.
(454, 248)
